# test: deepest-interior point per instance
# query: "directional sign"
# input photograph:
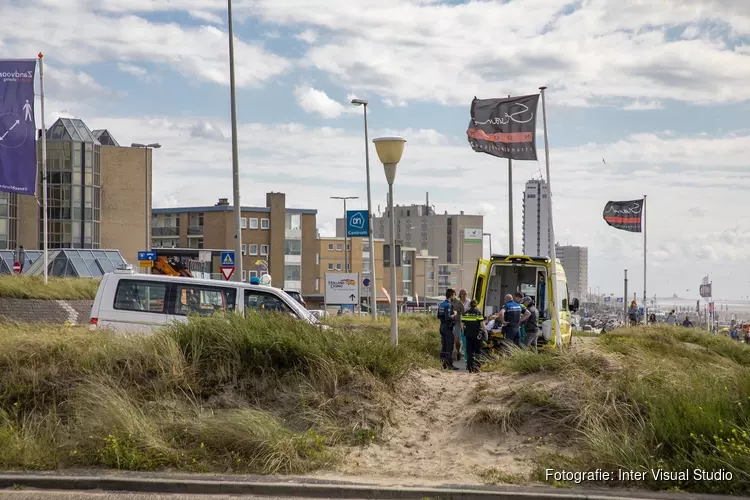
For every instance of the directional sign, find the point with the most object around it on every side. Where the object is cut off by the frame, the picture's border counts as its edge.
(146, 263)
(342, 288)
(17, 267)
(607, 299)
(146, 256)
(227, 259)
(357, 223)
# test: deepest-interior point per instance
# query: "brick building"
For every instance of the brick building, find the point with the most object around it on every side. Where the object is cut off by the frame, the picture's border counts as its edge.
(276, 240)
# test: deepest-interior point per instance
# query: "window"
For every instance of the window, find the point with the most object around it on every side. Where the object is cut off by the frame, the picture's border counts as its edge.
(292, 273)
(243, 222)
(330, 266)
(339, 247)
(317, 259)
(244, 249)
(244, 274)
(141, 296)
(338, 267)
(293, 221)
(203, 300)
(292, 247)
(253, 223)
(330, 247)
(264, 302)
(253, 274)
(317, 284)
(265, 223)
(348, 247)
(253, 249)
(264, 249)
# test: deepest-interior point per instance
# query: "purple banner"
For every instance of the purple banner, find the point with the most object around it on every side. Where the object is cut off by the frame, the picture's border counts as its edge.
(17, 127)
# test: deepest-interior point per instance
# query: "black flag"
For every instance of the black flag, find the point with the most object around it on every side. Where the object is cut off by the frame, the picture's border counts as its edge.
(505, 128)
(625, 215)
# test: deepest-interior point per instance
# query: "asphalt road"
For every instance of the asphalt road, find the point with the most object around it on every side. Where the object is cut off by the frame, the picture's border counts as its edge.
(68, 495)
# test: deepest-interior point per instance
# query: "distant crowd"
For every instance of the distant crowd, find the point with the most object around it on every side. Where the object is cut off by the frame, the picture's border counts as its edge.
(464, 331)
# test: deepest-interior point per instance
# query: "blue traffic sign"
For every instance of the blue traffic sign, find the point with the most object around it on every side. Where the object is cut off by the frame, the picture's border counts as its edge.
(227, 259)
(607, 299)
(146, 255)
(366, 281)
(357, 223)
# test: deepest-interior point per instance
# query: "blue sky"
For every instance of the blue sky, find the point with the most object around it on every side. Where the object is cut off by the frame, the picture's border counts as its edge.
(658, 89)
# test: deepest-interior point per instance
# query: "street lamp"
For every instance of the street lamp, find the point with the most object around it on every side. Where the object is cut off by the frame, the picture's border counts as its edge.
(389, 151)
(373, 283)
(346, 236)
(145, 148)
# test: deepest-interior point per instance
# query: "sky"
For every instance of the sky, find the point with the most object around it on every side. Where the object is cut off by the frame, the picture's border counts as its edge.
(643, 98)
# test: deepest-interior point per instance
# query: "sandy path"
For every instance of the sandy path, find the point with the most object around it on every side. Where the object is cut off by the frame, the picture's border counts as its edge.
(431, 438)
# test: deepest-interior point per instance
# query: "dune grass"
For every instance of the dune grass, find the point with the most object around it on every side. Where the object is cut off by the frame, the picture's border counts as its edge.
(33, 287)
(641, 399)
(263, 394)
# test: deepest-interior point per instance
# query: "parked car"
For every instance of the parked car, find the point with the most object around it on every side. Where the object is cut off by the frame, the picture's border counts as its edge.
(141, 303)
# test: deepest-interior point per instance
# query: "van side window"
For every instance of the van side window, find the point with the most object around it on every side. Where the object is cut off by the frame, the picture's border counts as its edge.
(142, 296)
(264, 302)
(203, 300)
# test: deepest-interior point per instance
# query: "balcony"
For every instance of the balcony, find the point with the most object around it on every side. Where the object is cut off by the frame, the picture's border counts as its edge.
(165, 232)
(195, 231)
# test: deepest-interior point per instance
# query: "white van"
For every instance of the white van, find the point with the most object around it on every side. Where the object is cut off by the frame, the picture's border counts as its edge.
(139, 303)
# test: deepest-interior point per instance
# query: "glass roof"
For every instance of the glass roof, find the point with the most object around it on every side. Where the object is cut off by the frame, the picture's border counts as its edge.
(71, 129)
(105, 138)
(66, 262)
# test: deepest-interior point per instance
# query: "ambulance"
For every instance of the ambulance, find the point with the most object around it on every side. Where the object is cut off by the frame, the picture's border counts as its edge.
(532, 276)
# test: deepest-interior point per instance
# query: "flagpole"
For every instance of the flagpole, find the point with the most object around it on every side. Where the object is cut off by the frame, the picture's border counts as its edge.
(510, 205)
(645, 253)
(45, 243)
(552, 250)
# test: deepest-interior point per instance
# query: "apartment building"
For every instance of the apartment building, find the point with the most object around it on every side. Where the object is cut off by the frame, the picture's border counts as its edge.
(536, 225)
(97, 199)
(455, 239)
(575, 261)
(276, 240)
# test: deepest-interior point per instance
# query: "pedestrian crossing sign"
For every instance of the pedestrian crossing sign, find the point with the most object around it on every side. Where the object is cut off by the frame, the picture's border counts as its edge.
(227, 259)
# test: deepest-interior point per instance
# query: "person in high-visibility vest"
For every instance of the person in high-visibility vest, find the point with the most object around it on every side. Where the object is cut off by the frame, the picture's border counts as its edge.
(474, 333)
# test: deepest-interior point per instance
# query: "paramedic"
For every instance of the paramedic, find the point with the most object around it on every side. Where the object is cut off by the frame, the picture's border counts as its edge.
(474, 334)
(447, 315)
(512, 320)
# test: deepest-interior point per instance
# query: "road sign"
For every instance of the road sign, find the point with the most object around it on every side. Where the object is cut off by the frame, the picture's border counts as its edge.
(366, 281)
(607, 299)
(142, 256)
(146, 263)
(357, 223)
(227, 272)
(227, 259)
(342, 288)
(17, 267)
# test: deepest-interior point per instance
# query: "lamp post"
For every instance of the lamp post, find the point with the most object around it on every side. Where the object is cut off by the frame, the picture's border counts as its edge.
(346, 235)
(373, 282)
(145, 148)
(238, 264)
(389, 151)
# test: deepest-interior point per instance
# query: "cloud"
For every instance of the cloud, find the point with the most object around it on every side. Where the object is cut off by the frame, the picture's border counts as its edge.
(209, 17)
(198, 53)
(586, 52)
(644, 106)
(206, 130)
(317, 101)
(307, 36)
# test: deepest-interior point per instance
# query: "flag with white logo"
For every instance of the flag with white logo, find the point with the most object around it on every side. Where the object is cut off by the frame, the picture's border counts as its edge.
(505, 128)
(624, 215)
(17, 127)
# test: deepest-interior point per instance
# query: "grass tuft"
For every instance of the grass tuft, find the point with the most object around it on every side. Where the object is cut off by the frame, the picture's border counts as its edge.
(641, 399)
(33, 287)
(263, 394)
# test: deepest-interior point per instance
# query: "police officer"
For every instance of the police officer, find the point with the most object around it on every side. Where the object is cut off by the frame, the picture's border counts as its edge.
(474, 333)
(447, 315)
(512, 320)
